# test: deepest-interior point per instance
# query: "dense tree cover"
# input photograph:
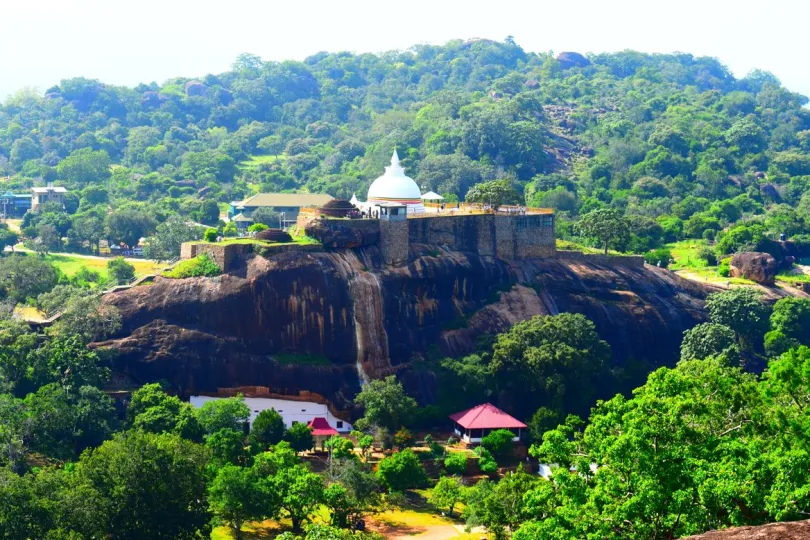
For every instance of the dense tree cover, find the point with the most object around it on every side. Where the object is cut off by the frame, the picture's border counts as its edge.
(672, 141)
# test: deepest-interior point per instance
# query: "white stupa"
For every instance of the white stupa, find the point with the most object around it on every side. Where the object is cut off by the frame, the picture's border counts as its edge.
(394, 187)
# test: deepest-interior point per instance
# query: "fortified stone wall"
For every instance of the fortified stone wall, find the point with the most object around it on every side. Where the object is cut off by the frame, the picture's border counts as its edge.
(632, 261)
(394, 241)
(225, 255)
(503, 236)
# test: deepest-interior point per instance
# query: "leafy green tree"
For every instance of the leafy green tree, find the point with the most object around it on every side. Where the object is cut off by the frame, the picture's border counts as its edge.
(47, 239)
(300, 438)
(85, 166)
(128, 225)
(63, 424)
(709, 339)
(169, 236)
(209, 212)
(456, 462)
(66, 360)
(401, 471)
(268, 428)
(300, 493)
(235, 497)
(8, 238)
(339, 447)
(499, 442)
(606, 225)
(24, 277)
(486, 461)
(120, 271)
(216, 414)
(500, 506)
(385, 404)
(446, 494)
(538, 360)
(88, 318)
(266, 216)
(210, 235)
(227, 446)
(541, 421)
(87, 228)
(494, 193)
(154, 486)
(791, 316)
(742, 309)
(152, 410)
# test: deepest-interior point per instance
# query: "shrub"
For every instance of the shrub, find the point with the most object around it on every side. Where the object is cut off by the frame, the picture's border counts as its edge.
(660, 255)
(709, 234)
(777, 343)
(210, 234)
(707, 254)
(258, 227)
(486, 462)
(200, 266)
(724, 268)
(120, 271)
(403, 438)
(401, 471)
(230, 230)
(456, 462)
(499, 442)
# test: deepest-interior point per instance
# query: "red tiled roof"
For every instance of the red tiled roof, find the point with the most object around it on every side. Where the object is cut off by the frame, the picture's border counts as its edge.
(320, 426)
(486, 416)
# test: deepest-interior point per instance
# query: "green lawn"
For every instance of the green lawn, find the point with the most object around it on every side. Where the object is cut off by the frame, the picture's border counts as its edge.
(686, 253)
(257, 161)
(70, 264)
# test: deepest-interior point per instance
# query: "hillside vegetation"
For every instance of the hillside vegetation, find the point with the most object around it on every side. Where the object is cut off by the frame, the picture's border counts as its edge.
(673, 141)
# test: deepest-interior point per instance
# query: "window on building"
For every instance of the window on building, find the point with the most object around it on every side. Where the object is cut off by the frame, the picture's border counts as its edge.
(340, 425)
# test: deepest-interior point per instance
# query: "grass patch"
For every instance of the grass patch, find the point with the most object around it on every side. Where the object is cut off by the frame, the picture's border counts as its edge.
(569, 245)
(200, 266)
(686, 254)
(789, 277)
(70, 264)
(255, 162)
(302, 359)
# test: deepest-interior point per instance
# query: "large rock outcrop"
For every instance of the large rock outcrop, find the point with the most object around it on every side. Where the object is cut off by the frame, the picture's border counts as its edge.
(370, 320)
(759, 267)
(796, 530)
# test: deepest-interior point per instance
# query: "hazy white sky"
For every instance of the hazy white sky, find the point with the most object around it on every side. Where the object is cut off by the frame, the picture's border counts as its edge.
(132, 41)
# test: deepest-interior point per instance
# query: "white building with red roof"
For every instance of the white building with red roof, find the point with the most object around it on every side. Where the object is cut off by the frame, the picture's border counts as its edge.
(474, 424)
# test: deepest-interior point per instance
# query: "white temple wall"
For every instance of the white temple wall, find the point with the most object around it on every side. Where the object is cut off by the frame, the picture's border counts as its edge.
(290, 411)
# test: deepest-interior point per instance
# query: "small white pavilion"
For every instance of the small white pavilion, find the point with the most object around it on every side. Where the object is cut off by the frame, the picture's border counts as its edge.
(393, 187)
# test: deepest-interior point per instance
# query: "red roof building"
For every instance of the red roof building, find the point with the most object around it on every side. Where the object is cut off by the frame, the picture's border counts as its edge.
(474, 424)
(321, 428)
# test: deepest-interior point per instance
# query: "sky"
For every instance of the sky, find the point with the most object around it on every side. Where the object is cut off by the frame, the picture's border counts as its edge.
(126, 42)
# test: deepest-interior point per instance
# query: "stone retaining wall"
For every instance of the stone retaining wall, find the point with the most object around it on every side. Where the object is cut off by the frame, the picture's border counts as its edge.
(633, 261)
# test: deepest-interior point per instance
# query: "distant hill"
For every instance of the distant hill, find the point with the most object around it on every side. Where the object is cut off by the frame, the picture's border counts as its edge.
(654, 135)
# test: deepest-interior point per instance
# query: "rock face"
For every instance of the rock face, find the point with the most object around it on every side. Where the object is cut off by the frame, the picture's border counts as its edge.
(569, 59)
(796, 530)
(370, 320)
(759, 267)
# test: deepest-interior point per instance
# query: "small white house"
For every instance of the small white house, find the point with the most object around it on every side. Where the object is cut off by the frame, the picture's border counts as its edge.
(474, 424)
(291, 411)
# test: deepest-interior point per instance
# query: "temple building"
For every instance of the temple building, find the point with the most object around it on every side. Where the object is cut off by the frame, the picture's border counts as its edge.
(393, 188)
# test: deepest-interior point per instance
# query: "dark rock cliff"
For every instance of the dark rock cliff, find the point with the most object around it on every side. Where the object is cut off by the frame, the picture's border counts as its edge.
(369, 320)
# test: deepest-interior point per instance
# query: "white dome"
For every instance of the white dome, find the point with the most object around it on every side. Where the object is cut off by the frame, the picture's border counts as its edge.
(394, 186)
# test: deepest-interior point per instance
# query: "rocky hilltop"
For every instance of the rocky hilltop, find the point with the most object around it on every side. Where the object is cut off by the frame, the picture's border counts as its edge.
(275, 321)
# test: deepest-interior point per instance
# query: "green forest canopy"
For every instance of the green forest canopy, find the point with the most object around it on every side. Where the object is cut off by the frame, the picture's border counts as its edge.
(672, 141)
